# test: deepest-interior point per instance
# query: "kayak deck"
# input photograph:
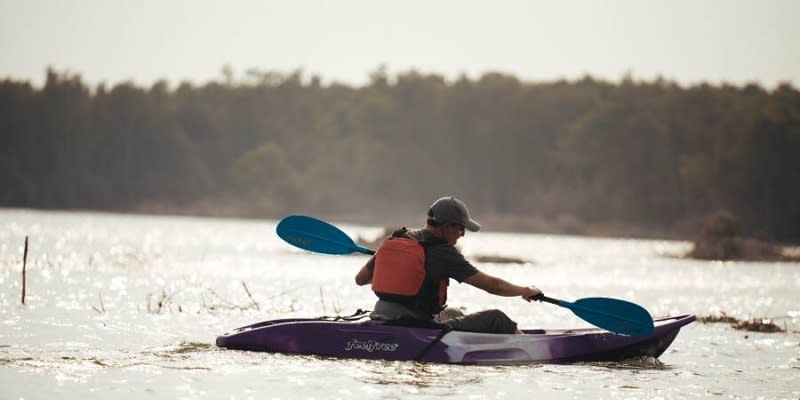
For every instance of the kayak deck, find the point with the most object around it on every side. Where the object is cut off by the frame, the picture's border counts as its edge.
(368, 340)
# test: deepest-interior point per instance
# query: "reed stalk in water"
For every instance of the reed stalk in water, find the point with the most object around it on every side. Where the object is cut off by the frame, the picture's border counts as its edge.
(24, 267)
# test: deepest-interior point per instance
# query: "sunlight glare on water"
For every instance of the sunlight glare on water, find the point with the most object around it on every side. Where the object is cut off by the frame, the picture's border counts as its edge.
(130, 306)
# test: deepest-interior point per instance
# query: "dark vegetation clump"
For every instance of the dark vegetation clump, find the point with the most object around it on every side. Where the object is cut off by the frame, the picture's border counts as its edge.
(720, 240)
(758, 325)
(753, 325)
(498, 259)
(717, 318)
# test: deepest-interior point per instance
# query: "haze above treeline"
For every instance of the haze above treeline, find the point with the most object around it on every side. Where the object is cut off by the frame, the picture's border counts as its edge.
(634, 158)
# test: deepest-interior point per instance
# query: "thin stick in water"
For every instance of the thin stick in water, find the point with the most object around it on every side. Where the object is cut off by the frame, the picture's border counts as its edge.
(250, 295)
(24, 267)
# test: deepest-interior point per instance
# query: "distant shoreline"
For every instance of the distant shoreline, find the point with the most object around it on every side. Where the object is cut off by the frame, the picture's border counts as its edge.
(489, 223)
(789, 252)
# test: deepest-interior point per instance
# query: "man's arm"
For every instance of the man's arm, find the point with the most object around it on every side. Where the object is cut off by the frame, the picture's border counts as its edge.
(501, 287)
(364, 275)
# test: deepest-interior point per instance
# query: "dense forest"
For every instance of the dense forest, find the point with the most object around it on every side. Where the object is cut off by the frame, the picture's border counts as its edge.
(582, 156)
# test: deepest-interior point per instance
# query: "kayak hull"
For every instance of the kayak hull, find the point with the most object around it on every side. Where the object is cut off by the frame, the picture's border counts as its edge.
(365, 340)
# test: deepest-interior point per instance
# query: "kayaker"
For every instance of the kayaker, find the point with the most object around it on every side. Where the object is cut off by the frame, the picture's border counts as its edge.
(410, 273)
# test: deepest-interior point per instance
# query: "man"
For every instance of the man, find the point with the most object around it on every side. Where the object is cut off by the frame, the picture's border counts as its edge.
(410, 273)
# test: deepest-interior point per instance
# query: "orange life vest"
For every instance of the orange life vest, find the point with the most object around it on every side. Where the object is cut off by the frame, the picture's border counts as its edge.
(400, 275)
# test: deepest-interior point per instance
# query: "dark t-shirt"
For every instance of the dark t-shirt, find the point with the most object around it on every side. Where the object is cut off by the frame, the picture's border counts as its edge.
(441, 259)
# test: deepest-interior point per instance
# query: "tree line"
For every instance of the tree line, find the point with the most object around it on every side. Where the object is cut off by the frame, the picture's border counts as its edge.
(645, 154)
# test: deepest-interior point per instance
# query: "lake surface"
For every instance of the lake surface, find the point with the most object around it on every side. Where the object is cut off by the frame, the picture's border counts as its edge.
(128, 307)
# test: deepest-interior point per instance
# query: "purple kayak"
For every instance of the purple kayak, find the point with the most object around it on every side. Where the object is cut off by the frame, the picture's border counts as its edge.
(368, 340)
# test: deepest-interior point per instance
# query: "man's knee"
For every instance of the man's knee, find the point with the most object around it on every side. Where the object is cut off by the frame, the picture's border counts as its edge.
(500, 322)
(448, 314)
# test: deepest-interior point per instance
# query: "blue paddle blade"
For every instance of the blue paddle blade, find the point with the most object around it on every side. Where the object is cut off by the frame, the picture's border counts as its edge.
(316, 235)
(614, 315)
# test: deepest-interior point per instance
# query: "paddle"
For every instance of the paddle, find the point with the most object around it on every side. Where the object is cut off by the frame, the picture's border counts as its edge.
(614, 315)
(316, 235)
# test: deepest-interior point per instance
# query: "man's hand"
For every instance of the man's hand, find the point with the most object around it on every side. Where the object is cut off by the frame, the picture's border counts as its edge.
(532, 293)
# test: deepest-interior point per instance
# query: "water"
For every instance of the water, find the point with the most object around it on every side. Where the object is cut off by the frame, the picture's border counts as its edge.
(129, 307)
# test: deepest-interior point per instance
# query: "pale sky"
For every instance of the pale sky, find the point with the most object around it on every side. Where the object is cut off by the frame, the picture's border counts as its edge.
(689, 41)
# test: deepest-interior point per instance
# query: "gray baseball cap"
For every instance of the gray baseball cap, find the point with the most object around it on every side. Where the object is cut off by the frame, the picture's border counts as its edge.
(450, 210)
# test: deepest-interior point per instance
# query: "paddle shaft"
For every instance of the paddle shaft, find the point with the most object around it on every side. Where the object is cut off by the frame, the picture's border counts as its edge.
(547, 299)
